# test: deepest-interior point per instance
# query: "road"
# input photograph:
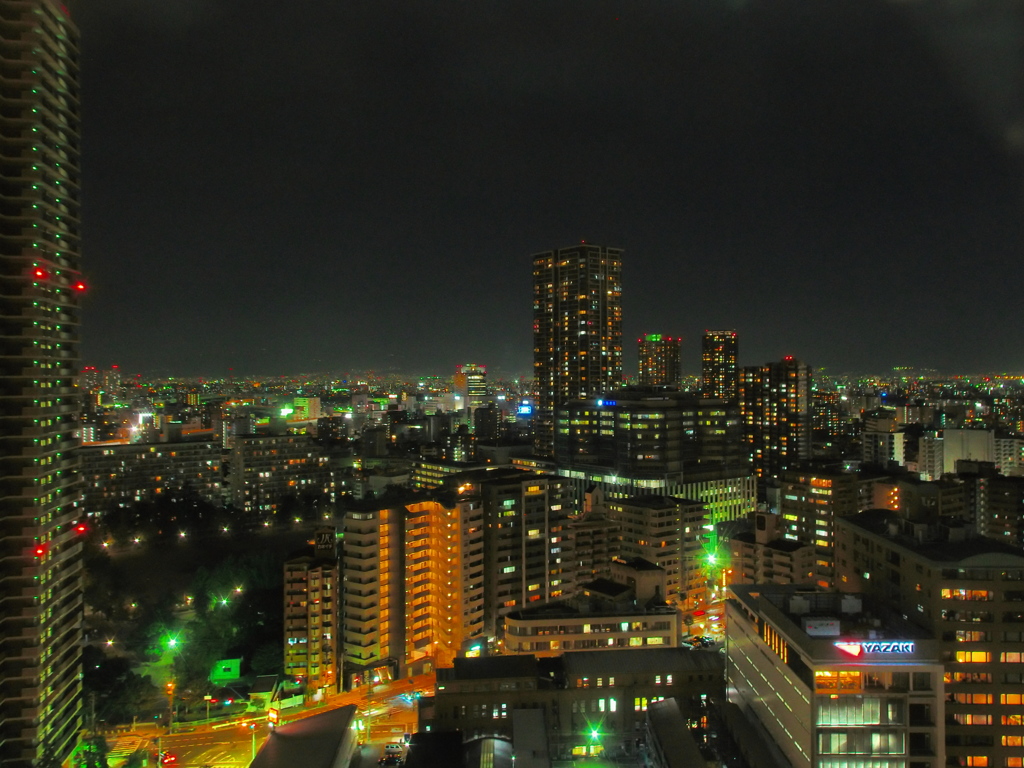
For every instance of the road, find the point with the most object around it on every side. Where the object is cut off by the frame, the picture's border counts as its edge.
(229, 747)
(388, 711)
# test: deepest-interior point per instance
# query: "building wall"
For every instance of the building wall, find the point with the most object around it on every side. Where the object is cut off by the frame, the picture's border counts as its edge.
(527, 543)
(820, 706)
(809, 504)
(666, 531)
(970, 594)
(124, 474)
(267, 468)
(311, 621)
(659, 360)
(775, 404)
(607, 631)
(577, 330)
(727, 493)
(40, 289)
(720, 374)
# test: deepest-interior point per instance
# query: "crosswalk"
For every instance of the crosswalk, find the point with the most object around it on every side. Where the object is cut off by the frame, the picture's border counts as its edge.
(123, 748)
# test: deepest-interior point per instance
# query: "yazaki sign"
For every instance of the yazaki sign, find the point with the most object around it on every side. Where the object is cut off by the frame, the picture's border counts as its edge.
(860, 649)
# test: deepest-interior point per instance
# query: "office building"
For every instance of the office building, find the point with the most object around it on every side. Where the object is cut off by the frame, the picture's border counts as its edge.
(312, 615)
(644, 430)
(775, 407)
(719, 373)
(968, 591)
(577, 330)
(40, 289)
(825, 680)
(470, 384)
(659, 360)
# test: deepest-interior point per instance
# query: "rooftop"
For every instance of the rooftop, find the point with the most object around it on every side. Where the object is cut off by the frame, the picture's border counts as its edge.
(951, 542)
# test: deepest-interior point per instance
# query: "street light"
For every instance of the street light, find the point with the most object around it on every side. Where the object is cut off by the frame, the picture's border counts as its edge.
(208, 698)
(170, 706)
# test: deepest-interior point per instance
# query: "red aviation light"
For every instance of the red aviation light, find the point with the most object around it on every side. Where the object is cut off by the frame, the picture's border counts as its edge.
(40, 274)
(40, 550)
(79, 286)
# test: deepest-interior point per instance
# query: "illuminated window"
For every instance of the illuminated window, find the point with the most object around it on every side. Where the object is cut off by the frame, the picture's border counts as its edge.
(1013, 741)
(973, 698)
(973, 657)
(1011, 658)
(977, 761)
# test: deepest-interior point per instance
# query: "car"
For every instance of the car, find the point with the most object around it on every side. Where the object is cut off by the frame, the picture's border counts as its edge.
(392, 748)
(390, 760)
(166, 758)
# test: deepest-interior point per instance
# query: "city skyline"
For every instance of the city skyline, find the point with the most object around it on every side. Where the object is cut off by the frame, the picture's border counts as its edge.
(842, 185)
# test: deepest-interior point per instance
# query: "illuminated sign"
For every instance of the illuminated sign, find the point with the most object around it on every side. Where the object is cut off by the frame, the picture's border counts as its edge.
(856, 649)
(525, 409)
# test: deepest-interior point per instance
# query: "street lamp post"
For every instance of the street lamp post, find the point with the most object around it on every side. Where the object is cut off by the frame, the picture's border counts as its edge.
(170, 706)
(208, 697)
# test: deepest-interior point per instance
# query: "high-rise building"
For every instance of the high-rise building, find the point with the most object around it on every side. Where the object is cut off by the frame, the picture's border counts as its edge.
(40, 285)
(659, 360)
(577, 330)
(413, 586)
(719, 374)
(312, 629)
(775, 406)
(471, 385)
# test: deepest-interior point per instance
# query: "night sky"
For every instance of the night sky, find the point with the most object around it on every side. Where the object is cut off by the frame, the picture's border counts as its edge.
(278, 187)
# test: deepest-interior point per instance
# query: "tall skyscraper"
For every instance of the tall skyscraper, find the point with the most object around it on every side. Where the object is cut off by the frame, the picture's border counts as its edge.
(471, 385)
(720, 376)
(577, 330)
(659, 360)
(40, 556)
(775, 406)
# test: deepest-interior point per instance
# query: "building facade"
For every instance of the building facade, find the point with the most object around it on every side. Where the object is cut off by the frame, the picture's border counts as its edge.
(828, 684)
(659, 361)
(646, 430)
(666, 531)
(120, 475)
(266, 469)
(968, 591)
(40, 289)
(775, 406)
(577, 330)
(719, 372)
(312, 603)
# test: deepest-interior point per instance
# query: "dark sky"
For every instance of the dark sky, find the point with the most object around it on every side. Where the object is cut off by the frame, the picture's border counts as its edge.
(295, 186)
